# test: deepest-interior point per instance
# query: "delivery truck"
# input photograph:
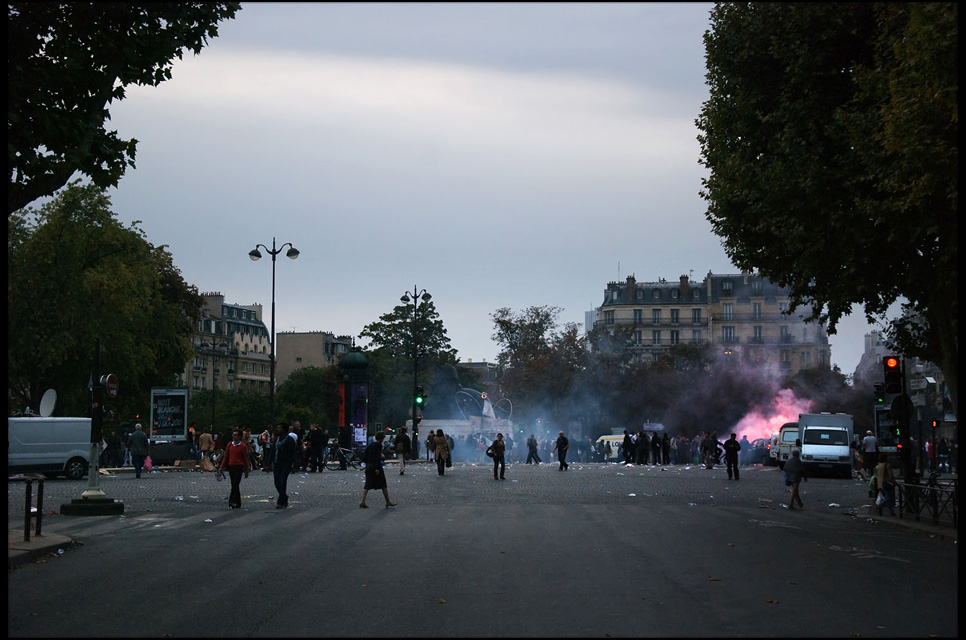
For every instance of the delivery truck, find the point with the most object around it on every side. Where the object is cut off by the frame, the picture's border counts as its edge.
(52, 446)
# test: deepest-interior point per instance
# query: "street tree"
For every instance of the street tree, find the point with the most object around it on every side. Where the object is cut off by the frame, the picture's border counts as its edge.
(831, 136)
(538, 362)
(76, 275)
(66, 62)
(392, 340)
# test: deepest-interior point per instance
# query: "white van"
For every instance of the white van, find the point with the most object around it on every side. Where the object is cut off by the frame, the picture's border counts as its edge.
(787, 436)
(825, 443)
(52, 446)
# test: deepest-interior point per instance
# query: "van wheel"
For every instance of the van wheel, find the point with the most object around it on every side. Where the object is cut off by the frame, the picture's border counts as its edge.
(76, 468)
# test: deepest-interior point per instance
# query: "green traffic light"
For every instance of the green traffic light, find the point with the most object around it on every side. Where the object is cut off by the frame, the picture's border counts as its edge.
(419, 399)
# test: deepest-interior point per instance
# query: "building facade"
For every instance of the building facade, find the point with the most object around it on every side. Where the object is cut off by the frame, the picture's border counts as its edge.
(232, 348)
(742, 316)
(297, 349)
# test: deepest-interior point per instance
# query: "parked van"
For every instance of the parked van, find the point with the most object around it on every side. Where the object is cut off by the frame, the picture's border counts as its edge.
(825, 443)
(52, 446)
(787, 436)
(771, 452)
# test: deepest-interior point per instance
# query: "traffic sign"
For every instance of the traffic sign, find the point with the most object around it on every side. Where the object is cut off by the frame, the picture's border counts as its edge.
(110, 385)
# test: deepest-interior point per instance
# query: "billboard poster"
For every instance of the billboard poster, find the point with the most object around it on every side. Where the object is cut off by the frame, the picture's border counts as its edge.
(169, 414)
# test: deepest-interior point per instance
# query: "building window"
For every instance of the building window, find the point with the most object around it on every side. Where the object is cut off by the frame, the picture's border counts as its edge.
(756, 286)
(675, 293)
(728, 310)
(639, 294)
(657, 294)
(675, 316)
(757, 333)
(655, 316)
(608, 317)
(675, 337)
(638, 316)
(695, 335)
(696, 294)
(727, 287)
(756, 310)
(638, 337)
(695, 316)
(784, 334)
(656, 338)
(300, 360)
(783, 307)
(728, 334)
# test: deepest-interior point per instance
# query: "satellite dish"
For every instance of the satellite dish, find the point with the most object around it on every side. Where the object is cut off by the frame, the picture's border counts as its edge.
(47, 403)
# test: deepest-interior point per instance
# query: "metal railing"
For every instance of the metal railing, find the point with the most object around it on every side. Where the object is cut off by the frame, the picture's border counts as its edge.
(939, 502)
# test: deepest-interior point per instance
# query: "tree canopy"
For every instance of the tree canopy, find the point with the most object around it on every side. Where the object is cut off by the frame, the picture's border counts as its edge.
(66, 61)
(391, 358)
(831, 135)
(75, 276)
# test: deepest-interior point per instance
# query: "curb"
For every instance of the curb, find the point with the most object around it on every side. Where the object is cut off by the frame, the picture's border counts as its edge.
(21, 552)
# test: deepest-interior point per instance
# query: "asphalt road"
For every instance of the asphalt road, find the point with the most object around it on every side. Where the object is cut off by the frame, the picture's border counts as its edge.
(596, 551)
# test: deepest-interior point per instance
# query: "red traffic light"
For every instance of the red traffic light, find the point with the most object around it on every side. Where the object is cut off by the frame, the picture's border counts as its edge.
(891, 362)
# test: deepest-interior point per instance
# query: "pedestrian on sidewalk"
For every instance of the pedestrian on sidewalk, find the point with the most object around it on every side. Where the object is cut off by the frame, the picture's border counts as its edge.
(793, 477)
(404, 447)
(441, 451)
(498, 450)
(375, 472)
(140, 448)
(286, 446)
(561, 446)
(731, 448)
(237, 461)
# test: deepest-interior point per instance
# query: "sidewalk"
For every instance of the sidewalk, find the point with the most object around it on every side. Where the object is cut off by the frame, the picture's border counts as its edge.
(20, 552)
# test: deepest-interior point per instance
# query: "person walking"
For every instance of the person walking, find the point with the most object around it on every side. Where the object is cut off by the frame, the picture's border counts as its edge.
(731, 448)
(403, 448)
(793, 477)
(870, 448)
(656, 448)
(237, 461)
(561, 446)
(140, 448)
(886, 483)
(666, 449)
(375, 471)
(532, 454)
(313, 441)
(286, 447)
(206, 444)
(627, 448)
(440, 451)
(430, 445)
(498, 449)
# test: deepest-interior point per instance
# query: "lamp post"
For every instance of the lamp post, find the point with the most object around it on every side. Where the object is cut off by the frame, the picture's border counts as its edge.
(213, 348)
(417, 295)
(254, 254)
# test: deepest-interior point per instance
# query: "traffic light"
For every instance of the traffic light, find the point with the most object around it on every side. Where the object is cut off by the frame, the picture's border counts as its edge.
(892, 373)
(935, 423)
(880, 394)
(419, 395)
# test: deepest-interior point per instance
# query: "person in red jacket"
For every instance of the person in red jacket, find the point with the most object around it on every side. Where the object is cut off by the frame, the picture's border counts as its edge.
(237, 461)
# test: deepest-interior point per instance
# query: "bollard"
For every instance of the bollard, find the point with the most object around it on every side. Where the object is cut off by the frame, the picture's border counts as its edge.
(26, 515)
(40, 508)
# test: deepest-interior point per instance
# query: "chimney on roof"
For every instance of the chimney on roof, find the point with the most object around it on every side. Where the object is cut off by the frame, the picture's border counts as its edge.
(631, 291)
(685, 287)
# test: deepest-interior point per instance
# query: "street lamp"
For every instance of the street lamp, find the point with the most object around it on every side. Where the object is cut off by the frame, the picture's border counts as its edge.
(213, 348)
(254, 254)
(405, 299)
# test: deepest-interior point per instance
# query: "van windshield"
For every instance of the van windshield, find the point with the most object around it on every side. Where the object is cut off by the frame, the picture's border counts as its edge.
(826, 436)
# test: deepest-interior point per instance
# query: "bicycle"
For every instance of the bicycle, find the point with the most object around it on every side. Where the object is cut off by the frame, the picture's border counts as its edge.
(339, 458)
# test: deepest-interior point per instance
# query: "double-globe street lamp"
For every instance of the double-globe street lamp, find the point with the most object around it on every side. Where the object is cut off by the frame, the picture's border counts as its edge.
(417, 295)
(221, 348)
(254, 254)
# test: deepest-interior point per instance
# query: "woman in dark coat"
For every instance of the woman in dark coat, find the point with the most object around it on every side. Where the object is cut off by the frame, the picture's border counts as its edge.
(375, 473)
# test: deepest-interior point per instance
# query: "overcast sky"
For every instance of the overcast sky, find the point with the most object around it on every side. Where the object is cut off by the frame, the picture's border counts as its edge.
(496, 155)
